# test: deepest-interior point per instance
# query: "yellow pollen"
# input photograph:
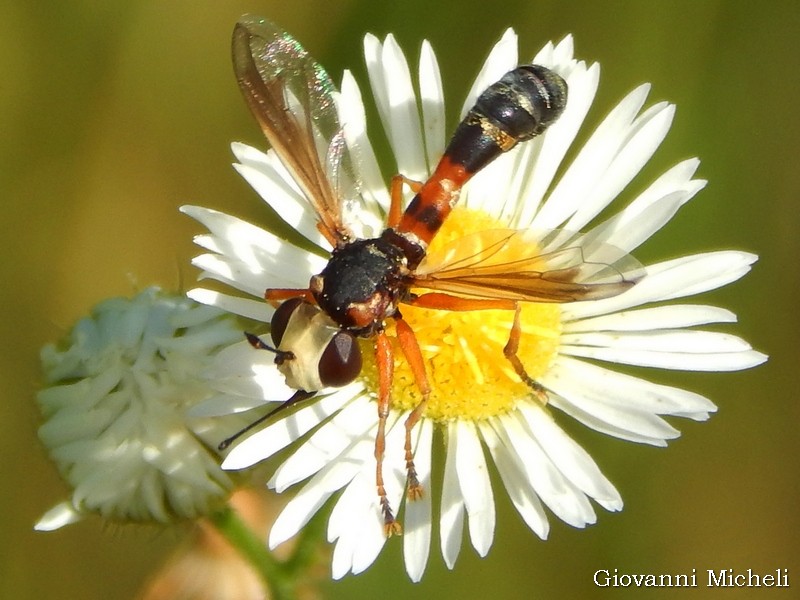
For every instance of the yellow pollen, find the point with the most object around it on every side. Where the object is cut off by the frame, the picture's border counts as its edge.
(463, 351)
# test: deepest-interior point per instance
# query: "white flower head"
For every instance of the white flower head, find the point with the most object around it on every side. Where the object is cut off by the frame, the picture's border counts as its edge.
(478, 400)
(115, 411)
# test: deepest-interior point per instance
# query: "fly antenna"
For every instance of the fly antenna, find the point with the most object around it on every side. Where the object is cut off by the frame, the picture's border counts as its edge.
(298, 396)
(257, 343)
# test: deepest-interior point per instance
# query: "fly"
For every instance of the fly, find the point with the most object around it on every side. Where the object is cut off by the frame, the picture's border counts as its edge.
(315, 329)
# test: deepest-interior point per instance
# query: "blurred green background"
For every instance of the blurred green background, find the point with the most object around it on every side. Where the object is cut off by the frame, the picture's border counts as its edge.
(114, 113)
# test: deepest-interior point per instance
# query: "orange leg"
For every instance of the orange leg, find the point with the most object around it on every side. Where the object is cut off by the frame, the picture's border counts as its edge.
(396, 206)
(441, 301)
(410, 348)
(277, 295)
(447, 302)
(384, 358)
(510, 352)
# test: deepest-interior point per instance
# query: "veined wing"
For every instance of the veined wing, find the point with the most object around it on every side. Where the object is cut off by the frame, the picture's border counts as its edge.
(508, 264)
(293, 100)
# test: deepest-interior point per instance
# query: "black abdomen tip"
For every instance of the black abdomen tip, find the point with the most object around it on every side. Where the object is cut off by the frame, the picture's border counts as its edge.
(548, 87)
(518, 107)
(525, 101)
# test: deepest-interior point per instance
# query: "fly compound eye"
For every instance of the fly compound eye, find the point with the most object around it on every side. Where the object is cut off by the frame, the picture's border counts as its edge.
(340, 363)
(280, 320)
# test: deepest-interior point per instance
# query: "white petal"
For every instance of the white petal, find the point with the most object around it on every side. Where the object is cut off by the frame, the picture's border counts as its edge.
(223, 404)
(652, 209)
(495, 188)
(283, 432)
(628, 392)
(501, 59)
(342, 557)
(699, 272)
(57, 517)
(692, 350)
(559, 56)
(351, 114)
(591, 163)
(629, 229)
(394, 475)
(507, 200)
(356, 528)
(567, 502)
(281, 261)
(572, 460)
(545, 56)
(356, 521)
(277, 187)
(511, 472)
(234, 273)
(258, 310)
(355, 462)
(671, 279)
(239, 360)
(225, 227)
(645, 136)
(356, 505)
(372, 57)
(476, 490)
(716, 361)
(417, 516)
(397, 104)
(326, 444)
(244, 371)
(285, 199)
(250, 253)
(632, 426)
(686, 341)
(451, 519)
(512, 187)
(671, 316)
(309, 500)
(557, 139)
(678, 177)
(431, 98)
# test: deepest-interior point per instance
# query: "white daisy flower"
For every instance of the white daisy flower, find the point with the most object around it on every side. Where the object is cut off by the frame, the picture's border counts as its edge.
(478, 401)
(115, 422)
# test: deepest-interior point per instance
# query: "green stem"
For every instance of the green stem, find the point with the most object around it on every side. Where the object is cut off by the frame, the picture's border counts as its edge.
(279, 580)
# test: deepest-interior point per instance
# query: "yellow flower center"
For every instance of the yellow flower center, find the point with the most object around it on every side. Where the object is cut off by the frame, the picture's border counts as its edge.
(463, 351)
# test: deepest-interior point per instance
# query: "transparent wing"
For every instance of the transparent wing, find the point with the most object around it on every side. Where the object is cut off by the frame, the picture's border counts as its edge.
(293, 100)
(509, 264)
